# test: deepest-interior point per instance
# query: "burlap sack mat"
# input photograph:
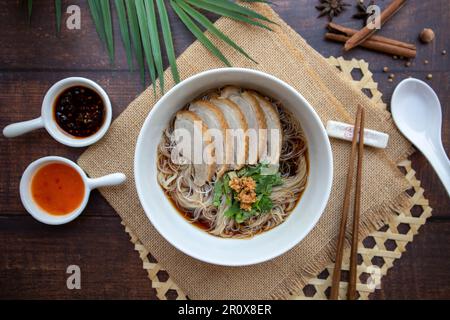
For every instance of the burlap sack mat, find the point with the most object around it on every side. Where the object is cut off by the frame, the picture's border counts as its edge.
(284, 54)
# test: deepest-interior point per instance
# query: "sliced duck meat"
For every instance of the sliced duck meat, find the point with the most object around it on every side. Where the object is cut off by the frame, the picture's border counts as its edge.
(255, 119)
(214, 118)
(189, 127)
(274, 131)
(238, 125)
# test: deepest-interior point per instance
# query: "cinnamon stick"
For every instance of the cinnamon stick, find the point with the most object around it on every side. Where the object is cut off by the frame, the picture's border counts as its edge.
(363, 34)
(349, 32)
(376, 46)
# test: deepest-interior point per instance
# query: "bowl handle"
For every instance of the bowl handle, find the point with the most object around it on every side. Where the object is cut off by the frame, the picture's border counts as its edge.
(20, 128)
(107, 181)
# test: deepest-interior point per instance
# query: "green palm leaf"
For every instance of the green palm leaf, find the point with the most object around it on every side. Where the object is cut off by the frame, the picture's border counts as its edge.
(136, 37)
(138, 22)
(154, 41)
(261, 1)
(145, 38)
(122, 15)
(94, 8)
(211, 27)
(195, 30)
(167, 34)
(30, 9)
(107, 23)
(231, 6)
(226, 13)
(58, 15)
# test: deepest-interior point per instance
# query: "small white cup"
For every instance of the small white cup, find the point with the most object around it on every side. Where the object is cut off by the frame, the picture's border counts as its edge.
(47, 119)
(89, 184)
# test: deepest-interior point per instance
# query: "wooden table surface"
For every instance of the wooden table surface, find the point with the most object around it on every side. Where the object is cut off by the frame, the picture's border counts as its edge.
(34, 257)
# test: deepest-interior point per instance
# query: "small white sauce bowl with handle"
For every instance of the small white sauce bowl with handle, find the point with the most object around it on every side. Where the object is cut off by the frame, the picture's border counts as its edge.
(89, 185)
(47, 118)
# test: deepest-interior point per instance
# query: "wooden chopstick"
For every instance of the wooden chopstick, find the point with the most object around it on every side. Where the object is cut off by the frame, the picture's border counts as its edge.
(351, 293)
(334, 294)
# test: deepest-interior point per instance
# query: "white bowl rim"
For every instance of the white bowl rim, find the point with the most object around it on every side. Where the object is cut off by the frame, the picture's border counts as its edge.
(295, 240)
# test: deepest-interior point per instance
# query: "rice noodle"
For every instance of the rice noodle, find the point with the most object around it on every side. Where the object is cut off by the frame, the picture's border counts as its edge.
(197, 202)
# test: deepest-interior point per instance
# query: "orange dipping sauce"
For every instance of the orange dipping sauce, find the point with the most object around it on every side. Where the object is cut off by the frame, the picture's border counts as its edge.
(57, 188)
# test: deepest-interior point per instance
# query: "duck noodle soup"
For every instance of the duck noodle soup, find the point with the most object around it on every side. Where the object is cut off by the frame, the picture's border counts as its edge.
(234, 162)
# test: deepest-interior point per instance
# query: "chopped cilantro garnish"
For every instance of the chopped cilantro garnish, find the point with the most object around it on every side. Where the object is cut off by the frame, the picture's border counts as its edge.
(266, 177)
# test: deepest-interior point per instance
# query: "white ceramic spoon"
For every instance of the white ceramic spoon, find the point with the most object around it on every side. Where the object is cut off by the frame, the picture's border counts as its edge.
(417, 113)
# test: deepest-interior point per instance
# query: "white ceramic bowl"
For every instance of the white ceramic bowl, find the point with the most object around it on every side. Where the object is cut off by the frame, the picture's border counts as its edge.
(197, 243)
(89, 185)
(47, 120)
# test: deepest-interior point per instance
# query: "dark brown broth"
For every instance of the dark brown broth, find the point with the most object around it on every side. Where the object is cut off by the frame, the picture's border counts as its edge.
(204, 225)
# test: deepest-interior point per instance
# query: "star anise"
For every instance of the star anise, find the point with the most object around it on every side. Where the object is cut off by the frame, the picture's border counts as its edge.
(362, 11)
(332, 8)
